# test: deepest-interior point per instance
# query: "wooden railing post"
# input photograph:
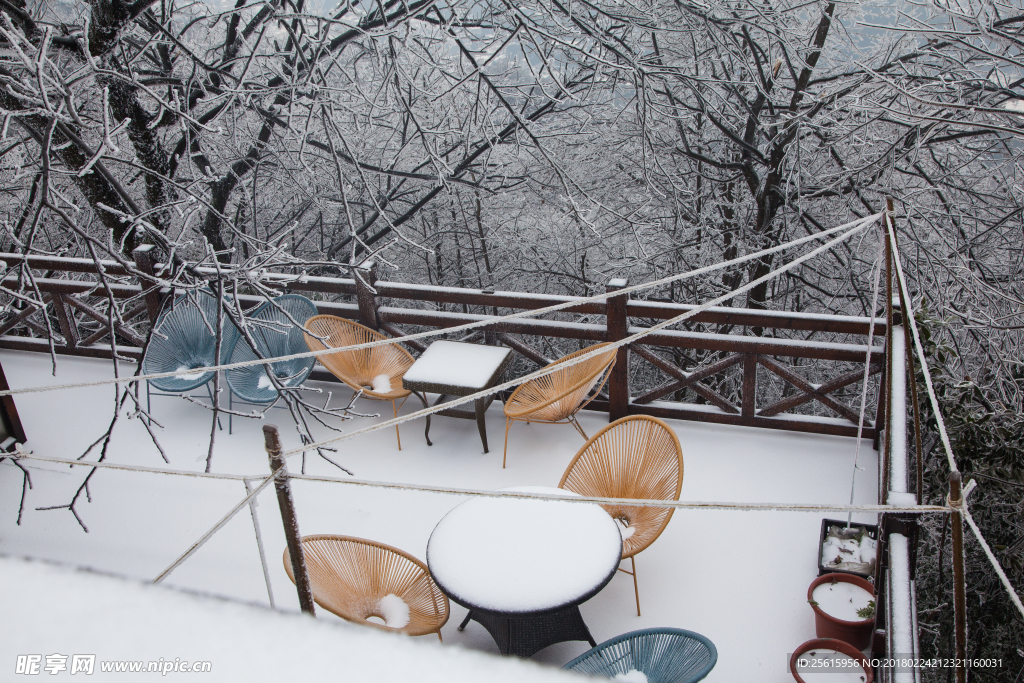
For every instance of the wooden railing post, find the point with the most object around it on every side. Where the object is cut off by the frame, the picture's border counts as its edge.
(365, 276)
(618, 328)
(144, 262)
(749, 407)
(67, 323)
(272, 442)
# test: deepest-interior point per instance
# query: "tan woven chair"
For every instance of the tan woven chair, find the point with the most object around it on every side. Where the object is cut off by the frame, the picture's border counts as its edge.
(635, 457)
(350, 577)
(359, 368)
(556, 398)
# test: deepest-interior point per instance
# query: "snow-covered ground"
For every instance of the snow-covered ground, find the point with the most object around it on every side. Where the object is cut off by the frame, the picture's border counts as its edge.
(739, 578)
(51, 610)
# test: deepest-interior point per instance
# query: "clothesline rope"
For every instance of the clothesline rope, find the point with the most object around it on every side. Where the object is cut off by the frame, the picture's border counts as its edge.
(909, 317)
(215, 528)
(486, 493)
(853, 225)
(1005, 580)
(867, 368)
(582, 357)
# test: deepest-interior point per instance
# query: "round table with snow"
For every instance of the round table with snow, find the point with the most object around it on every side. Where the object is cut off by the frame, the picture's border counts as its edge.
(523, 566)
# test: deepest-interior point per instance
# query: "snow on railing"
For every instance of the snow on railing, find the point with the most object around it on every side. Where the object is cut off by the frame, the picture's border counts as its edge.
(957, 499)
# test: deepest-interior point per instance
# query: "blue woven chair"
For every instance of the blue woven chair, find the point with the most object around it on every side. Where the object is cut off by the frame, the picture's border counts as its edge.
(184, 339)
(664, 655)
(275, 334)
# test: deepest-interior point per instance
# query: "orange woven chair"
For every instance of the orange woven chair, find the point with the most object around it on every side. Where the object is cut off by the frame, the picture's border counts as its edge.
(556, 398)
(357, 579)
(636, 457)
(360, 368)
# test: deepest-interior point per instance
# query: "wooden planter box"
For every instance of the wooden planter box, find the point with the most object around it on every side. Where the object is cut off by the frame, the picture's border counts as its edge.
(870, 529)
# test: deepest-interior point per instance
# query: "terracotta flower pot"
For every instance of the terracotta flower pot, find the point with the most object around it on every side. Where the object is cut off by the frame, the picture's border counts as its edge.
(840, 646)
(856, 633)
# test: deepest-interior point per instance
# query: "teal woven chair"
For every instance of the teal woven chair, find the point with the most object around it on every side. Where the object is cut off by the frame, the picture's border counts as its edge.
(182, 340)
(275, 334)
(664, 655)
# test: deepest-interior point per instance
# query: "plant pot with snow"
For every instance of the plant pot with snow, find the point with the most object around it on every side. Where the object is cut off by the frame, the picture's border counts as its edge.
(847, 548)
(826, 660)
(844, 608)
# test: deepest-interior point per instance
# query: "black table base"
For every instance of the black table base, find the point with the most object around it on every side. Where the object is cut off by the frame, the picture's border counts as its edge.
(527, 634)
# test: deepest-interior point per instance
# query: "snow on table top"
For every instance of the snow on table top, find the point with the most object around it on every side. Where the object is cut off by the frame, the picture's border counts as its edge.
(58, 610)
(516, 555)
(457, 364)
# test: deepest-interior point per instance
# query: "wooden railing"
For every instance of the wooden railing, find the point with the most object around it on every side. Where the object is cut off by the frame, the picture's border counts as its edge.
(76, 321)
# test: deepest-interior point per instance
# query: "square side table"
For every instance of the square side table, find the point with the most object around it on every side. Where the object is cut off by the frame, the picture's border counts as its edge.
(459, 369)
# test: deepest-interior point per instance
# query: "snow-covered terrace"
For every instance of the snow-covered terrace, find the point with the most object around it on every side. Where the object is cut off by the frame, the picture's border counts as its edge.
(738, 577)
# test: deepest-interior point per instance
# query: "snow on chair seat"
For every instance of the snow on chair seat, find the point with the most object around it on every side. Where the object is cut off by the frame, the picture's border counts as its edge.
(376, 371)
(276, 328)
(359, 580)
(184, 339)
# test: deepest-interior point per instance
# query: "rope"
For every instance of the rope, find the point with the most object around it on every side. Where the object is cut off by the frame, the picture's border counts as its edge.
(909, 317)
(867, 372)
(486, 493)
(259, 544)
(216, 527)
(992, 559)
(28, 455)
(631, 502)
(856, 225)
(582, 357)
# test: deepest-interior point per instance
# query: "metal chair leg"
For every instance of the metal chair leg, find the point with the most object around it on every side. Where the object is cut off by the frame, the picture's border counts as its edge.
(398, 436)
(572, 420)
(636, 588)
(426, 430)
(508, 425)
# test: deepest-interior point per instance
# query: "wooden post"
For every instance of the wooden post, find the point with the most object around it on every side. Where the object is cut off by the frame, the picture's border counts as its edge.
(67, 323)
(490, 333)
(144, 261)
(618, 328)
(365, 276)
(880, 411)
(11, 418)
(880, 637)
(955, 501)
(749, 408)
(272, 442)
